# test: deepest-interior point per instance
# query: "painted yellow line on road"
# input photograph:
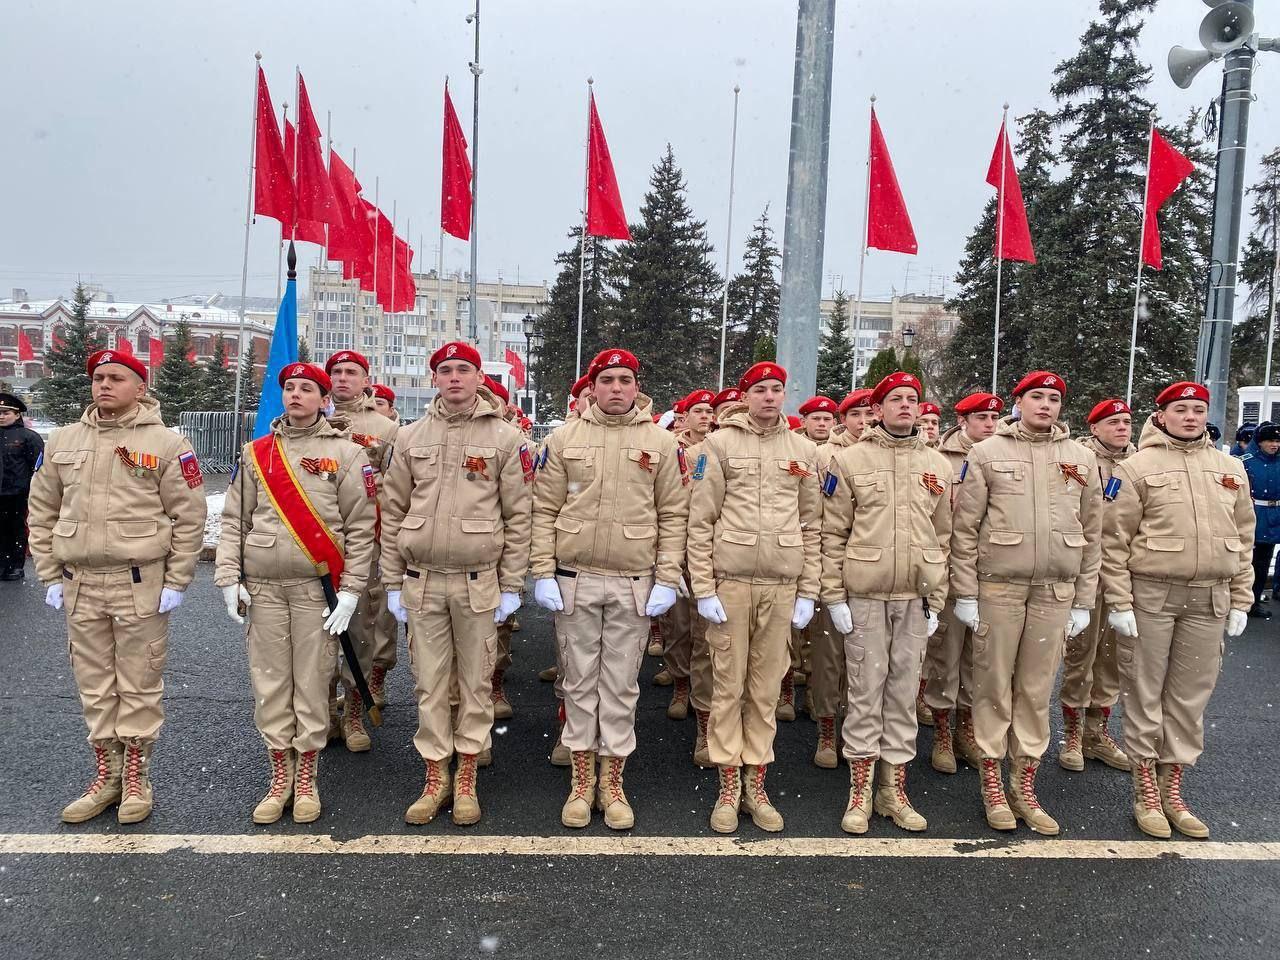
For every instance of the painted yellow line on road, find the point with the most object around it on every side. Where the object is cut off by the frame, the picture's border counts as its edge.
(895, 847)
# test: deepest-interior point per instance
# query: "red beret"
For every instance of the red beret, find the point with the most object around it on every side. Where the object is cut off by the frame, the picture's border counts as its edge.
(1108, 408)
(115, 356)
(679, 406)
(385, 392)
(768, 370)
(606, 359)
(978, 402)
(927, 408)
(794, 422)
(1040, 380)
(497, 389)
(818, 404)
(858, 398)
(727, 395)
(578, 386)
(456, 350)
(1182, 390)
(307, 371)
(892, 382)
(699, 396)
(346, 356)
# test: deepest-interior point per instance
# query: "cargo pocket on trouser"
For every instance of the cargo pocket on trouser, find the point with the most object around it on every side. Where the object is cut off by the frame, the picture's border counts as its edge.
(157, 653)
(568, 592)
(640, 589)
(482, 590)
(147, 582)
(413, 590)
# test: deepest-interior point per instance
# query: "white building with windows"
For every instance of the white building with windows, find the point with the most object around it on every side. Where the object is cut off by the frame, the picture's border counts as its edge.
(882, 322)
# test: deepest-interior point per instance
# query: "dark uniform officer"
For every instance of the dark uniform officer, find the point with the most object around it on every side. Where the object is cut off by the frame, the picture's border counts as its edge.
(20, 452)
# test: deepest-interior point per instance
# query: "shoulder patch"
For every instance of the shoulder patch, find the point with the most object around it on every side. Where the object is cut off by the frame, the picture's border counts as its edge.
(526, 463)
(370, 486)
(191, 469)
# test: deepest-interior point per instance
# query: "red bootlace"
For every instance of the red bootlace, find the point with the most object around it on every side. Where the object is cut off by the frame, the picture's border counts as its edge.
(1027, 786)
(1104, 733)
(826, 733)
(615, 779)
(861, 773)
(279, 773)
(788, 689)
(757, 785)
(1175, 788)
(1073, 731)
(132, 770)
(306, 773)
(377, 677)
(103, 773)
(704, 720)
(354, 709)
(681, 691)
(581, 773)
(1147, 787)
(942, 729)
(465, 780)
(497, 694)
(992, 788)
(729, 786)
(900, 784)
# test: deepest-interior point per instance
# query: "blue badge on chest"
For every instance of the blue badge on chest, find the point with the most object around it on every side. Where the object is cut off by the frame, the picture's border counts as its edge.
(39, 461)
(964, 468)
(829, 483)
(1112, 489)
(700, 466)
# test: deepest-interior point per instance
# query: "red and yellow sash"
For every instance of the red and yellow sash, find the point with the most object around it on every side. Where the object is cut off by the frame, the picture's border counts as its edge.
(294, 508)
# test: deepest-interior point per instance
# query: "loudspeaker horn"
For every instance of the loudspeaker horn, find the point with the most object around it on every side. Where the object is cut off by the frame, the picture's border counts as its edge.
(1226, 27)
(1184, 64)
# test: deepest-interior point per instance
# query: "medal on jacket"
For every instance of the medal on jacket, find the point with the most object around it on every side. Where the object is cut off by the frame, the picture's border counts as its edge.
(684, 465)
(700, 467)
(798, 471)
(526, 463)
(1071, 472)
(829, 483)
(322, 467)
(645, 462)
(370, 485)
(1230, 482)
(138, 464)
(364, 439)
(1112, 489)
(930, 482)
(476, 465)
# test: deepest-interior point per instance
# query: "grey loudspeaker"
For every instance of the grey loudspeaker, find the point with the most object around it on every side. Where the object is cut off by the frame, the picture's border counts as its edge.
(1184, 64)
(1226, 26)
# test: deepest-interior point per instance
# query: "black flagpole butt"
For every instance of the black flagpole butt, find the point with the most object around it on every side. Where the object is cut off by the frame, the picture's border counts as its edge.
(292, 260)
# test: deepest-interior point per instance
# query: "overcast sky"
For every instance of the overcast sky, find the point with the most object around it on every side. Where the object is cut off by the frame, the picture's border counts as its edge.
(126, 126)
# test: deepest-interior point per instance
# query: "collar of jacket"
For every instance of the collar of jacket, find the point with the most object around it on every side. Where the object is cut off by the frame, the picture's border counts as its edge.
(878, 434)
(955, 440)
(1019, 431)
(640, 410)
(1100, 449)
(485, 404)
(355, 404)
(334, 426)
(736, 416)
(147, 411)
(1153, 436)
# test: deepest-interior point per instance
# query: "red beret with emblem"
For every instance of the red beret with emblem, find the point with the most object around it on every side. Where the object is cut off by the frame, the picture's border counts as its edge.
(497, 389)
(858, 398)
(927, 408)
(1107, 408)
(346, 356)
(767, 370)
(384, 392)
(979, 403)
(818, 404)
(456, 350)
(307, 371)
(727, 395)
(679, 406)
(115, 356)
(794, 422)
(606, 359)
(1182, 390)
(1040, 380)
(697, 397)
(892, 382)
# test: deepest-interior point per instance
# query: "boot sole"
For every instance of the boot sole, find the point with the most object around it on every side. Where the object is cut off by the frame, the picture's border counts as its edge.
(825, 764)
(1193, 834)
(76, 818)
(725, 829)
(703, 765)
(771, 828)
(306, 818)
(1165, 835)
(1114, 764)
(1003, 827)
(855, 831)
(1034, 829)
(1071, 764)
(358, 748)
(503, 713)
(899, 823)
(947, 765)
(575, 824)
(561, 763)
(465, 821)
(262, 821)
(128, 818)
(417, 819)
(786, 716)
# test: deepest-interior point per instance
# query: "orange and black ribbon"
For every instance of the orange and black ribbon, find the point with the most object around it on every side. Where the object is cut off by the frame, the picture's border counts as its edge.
(1230, 482)
(798, 471)
(364, 439)
(1071, 472)
(477, 465)
(645, 461)
(930, 483)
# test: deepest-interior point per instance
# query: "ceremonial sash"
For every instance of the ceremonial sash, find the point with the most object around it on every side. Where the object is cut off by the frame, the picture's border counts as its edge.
(294, 508)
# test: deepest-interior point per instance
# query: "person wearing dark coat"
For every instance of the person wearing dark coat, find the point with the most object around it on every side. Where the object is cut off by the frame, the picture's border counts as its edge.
(1243, 436)
(1261, 461)
(20, 452)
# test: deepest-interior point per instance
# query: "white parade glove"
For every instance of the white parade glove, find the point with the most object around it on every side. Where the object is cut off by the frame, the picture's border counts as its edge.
(711, 609)
(169, 600)
(1079, 620)
(967, 612)
(682, 587)
(802, 613)
(508, 603)
(546, 594)
(931, 625)
(53, 596)
(340, 615)
(395, 607)
(841, 617)
(661, 599)
(1123, 622)
(232, 596)
(1236, 622)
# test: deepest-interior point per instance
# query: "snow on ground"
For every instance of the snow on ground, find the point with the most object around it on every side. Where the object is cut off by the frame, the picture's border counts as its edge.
(213, 519)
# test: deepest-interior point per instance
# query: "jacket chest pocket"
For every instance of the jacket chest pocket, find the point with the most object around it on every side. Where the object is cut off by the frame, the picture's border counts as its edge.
(869, 489)
(72, 465)
(424, 462)
(480, 463)
(1165, 488)
(1007, 479)
(741, 468)
(789, 474)
(579, 464)
(642, 466)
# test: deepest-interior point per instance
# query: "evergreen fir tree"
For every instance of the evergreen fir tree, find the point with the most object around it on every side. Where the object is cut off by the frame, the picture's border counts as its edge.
(249, 386)
(754, 298)
(1257, 262)
(890, 360)
(304, 350)
(65, 392)
(766, 348)
(835, 352)
(217, 383)
(177, 384)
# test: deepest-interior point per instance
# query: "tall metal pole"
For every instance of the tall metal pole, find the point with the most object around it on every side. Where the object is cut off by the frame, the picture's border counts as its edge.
(995, 339)
(1265, 412)
(582, 239)
(475, 173)
(803, 234)
(728, 237)
(1137, 286)
(862, 265)
(244, 269)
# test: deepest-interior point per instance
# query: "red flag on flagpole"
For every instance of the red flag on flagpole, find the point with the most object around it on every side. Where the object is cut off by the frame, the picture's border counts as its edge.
(365, 223)
(1013, 235)
(455, 176)
(343, 241)
(1166, 168)
(272, 183)
(888, 223)
(385, 253)
(124, 345)
(25, 351)
(605, 216)
(315, 194)
(155, 352)
(406, 293)
(517, 368)
(303, 230)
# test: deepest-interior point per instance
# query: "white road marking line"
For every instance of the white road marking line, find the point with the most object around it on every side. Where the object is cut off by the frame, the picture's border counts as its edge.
(918, 847)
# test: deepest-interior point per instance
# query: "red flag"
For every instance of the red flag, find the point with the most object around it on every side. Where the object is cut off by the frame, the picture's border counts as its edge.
(1013, 235)
(272, 184)
(365, 226)
(888, 224)
(517, 368)
(307, 230)
(406, 293)
(124, 345)
(315, 194)
(455, 176)
(384, 259)
(25, 351)
(1166, 168)
(155, 352)
(343, 241)
(605, 216)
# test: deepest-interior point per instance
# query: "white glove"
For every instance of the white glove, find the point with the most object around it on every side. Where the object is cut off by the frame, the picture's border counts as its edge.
(711, 609)
(1236, 622)
(395, 607)
(1123, 622)
(802, 613)
(232, 596)
(661, 599)
(169, 600)
(841, 617)
(1079, 620)
(340, 615)
(931, 625)
(53, 596)
(682, 588)
(508, 603)
(967, 612)
(546, 594)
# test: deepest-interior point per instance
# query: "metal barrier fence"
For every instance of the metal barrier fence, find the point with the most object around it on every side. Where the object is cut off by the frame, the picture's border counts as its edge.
(213, 437)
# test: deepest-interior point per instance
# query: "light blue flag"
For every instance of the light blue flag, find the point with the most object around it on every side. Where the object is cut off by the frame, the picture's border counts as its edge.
(284, 351)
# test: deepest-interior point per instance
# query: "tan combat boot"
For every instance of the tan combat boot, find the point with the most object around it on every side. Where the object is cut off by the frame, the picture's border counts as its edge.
(701, 755)
(943, 757)
(678, 708)
(610, 798)
(1071, 753)
(655, 638)
(825, 756)
(306, 788)
(437, 788)
(1146, 801)
(994, 801)
(724, 815)
(1169, 778)
(1022, 797)
(786, 709)
(862, 775)
(763, 813)
(549, 674)
(891, 798)
(466, 805)
(560, 756)
(576, 811)
(965, 743)
(104, 790)
(135, 783)
(501, 705)
(484, 758)
(353, 731)
(799, 677)
(280, 793)
(378, 685)
(1098, 744)
(924, 716)
(663, 678)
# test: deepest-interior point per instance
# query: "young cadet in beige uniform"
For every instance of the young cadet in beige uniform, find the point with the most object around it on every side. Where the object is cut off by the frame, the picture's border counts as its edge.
(349, 373)
(755, 566)
(1177, 571)
(116, 518)
(886, 527)
(929, 422)
(384, 400)
(302, 496)
(385, 626)
(948, 665)
(1090, 672)
(1025, 549)
(455, 549)
(609, 529)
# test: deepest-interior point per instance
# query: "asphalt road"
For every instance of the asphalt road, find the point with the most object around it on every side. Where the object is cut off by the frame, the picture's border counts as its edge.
(641, 897)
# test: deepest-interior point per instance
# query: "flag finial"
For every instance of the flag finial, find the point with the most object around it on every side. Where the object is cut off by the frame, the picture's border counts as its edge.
(590, 81)
(258, 55)
(292, 260)
(1006, 104)
(873, 98)
(737, 89)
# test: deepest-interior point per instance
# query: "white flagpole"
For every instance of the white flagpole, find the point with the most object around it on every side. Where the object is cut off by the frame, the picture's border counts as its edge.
(728, 239)
(244, 269)
(995, 340)
(582, 258)
(1137, 286)
(862, 262)
(1264, 413)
